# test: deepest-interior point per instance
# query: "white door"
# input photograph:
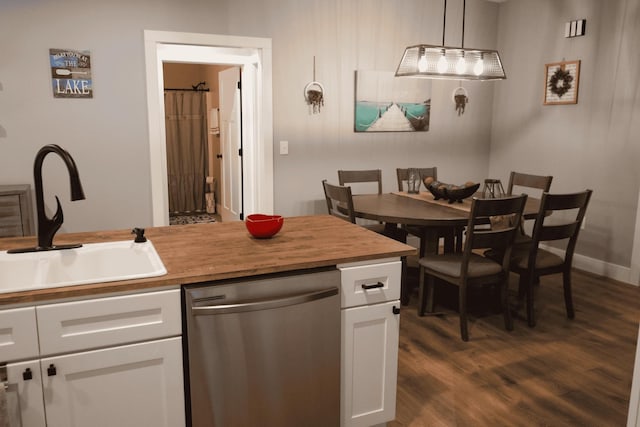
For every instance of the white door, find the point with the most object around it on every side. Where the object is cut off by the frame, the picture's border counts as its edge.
(369, 364)
(230, 145)
(127, 386)
(24, 395)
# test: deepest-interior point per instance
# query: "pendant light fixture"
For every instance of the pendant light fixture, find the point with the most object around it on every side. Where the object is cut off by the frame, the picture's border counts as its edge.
(451, 63)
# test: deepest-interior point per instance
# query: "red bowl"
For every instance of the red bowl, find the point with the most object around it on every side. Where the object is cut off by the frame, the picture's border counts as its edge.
(263, 226)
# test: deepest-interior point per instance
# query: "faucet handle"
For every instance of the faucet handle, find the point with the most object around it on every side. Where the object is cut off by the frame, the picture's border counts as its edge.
(139, 232)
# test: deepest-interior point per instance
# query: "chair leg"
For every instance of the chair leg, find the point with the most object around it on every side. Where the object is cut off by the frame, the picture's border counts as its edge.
(462, 303)
(531, 317)
(504, 297)
(421, 293)
(430, 287)
(568, 299)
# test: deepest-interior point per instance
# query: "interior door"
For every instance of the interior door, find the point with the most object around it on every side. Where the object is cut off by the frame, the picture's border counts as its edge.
(230, 145)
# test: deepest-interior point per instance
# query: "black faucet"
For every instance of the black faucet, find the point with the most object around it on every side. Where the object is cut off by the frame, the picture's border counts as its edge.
(48, 227)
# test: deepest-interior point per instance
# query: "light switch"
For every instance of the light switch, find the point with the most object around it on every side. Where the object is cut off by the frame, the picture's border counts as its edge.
(284, 148)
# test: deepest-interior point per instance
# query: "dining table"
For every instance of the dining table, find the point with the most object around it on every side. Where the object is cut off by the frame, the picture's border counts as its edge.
(434, 218)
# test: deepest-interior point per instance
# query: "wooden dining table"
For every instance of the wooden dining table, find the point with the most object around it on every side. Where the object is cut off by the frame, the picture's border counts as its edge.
(435, 217)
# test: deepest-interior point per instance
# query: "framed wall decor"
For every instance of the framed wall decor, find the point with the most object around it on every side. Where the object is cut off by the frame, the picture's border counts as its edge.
(71, 73)
(561, 82)
(385, 103)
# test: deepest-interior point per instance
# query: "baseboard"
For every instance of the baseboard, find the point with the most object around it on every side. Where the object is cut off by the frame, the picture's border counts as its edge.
(596, 266)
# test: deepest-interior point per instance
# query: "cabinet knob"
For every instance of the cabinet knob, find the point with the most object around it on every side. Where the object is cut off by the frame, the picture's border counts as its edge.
(51, 370)
(396, 310)
(27, 374)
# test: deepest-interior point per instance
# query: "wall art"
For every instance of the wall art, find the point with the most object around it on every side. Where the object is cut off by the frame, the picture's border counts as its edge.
(71, 73)
(561, 82)
(385, 103)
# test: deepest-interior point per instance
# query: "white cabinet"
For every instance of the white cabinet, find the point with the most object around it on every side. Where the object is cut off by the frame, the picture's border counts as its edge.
(113, 361)
(127, 386)
(370, 330)
(24, 394)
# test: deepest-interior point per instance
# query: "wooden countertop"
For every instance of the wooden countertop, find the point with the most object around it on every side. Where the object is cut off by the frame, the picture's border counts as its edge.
(204, 252)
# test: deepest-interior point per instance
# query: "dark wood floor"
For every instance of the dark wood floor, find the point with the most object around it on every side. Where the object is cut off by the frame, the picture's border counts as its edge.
(560, 373)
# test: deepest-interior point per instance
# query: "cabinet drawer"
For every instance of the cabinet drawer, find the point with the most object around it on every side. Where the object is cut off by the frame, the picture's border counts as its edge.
(108, 321)
(18, 334)
(370, 283)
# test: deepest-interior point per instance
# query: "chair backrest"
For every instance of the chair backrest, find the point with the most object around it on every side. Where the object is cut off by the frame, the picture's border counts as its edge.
(479, 236)
(403, 175)
(563, 226)
(339, 195)
(540, 182)
(360, 176)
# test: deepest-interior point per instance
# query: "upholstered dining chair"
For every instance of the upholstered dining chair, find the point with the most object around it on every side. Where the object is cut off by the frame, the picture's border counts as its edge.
(524, 183)
(449, 235)
(530, 261)
(340, 195)
(468, 268)
(403, 175)
(346, 177)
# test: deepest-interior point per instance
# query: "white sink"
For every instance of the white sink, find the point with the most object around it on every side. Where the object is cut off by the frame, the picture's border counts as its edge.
(91, 263)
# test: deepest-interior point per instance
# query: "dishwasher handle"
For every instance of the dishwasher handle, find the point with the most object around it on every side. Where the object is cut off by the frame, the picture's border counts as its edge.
(263, 304)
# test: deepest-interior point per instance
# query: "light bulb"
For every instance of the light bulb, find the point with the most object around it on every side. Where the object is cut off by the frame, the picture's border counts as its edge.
(422, 63)
(442, 64)
(479, 67)
(461, 65)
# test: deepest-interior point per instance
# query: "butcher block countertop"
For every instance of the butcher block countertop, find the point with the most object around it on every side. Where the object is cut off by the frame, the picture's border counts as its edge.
(214, 251)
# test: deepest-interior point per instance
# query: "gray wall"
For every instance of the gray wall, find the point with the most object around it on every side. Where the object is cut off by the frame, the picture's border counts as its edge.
(107, 135)
(593, 144)
(505, 126)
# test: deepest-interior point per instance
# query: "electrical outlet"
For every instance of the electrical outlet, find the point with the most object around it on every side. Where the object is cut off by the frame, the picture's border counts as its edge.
(284, 148)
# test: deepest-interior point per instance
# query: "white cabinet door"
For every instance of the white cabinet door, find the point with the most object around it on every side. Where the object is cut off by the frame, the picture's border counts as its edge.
(24, 395)
(132, 385)
(369, 364)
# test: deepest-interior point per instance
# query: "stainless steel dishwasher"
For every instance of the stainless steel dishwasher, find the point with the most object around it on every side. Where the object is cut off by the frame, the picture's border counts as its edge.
(264, 351)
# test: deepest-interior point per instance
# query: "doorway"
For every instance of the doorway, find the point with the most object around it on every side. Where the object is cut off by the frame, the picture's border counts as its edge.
(253, 56)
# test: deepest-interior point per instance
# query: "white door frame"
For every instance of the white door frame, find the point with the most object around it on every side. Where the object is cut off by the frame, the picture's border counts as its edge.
(163, 46)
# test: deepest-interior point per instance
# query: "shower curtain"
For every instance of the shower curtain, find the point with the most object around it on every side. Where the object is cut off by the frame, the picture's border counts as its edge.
(186, 128)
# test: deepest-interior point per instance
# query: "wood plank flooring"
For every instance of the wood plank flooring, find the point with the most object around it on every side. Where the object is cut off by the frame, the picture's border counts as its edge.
(560, 373)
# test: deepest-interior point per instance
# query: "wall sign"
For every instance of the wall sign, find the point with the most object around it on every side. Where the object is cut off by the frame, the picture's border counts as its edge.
(561, 82)
(71, 73)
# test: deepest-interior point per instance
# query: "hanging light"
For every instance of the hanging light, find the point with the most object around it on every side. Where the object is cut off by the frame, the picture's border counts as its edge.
(433, 62)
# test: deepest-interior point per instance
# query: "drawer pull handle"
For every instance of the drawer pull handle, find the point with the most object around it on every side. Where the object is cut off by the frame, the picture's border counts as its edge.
(377, 285)
(27, 375)
(396, 310)
(51, 370)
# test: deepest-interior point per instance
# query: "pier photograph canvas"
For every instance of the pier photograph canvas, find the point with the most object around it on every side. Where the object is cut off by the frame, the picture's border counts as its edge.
(385, 103)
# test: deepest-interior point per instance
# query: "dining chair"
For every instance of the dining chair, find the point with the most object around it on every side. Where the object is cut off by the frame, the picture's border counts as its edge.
(449, 235)
(523, 183)
(469, 268)
(530, 261)
(340, 196)
(403, 175)
(361, 176)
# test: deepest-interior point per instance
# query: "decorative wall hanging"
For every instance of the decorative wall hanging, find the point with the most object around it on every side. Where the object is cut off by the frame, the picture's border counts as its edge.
(461, 99)
(386, 104)
(561, 82)
(314, 92)
(71, 73)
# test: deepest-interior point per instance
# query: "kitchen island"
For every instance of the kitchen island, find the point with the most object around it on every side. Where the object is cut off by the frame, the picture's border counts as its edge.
(93, 350)
(214, 251)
